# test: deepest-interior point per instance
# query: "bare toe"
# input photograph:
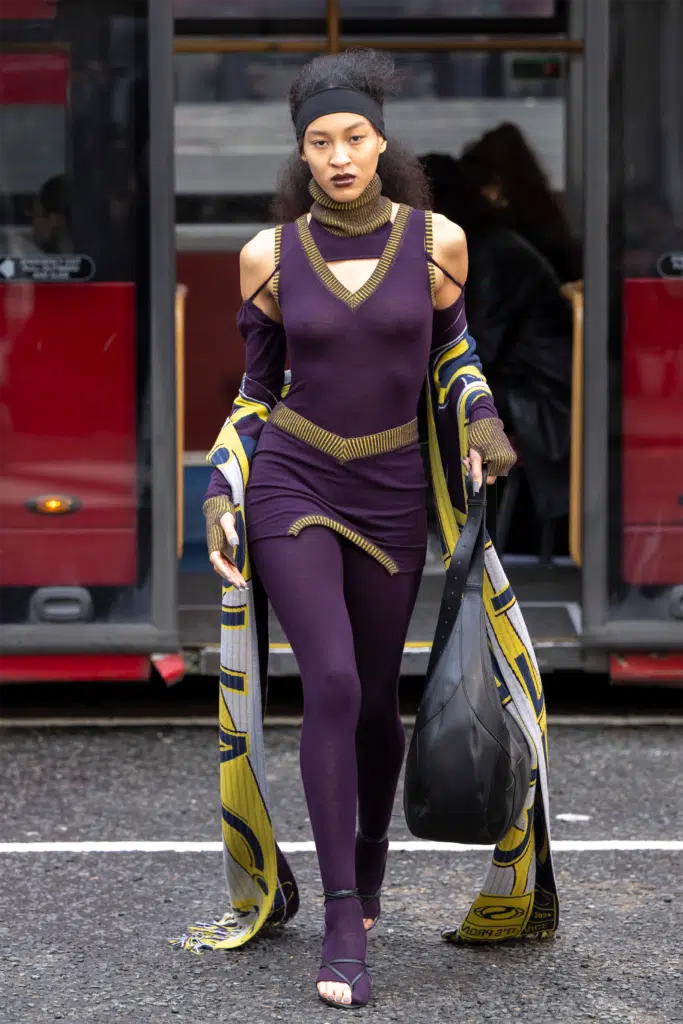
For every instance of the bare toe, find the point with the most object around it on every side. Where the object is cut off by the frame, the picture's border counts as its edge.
(368, 923)
(338, 992)
(334, 991)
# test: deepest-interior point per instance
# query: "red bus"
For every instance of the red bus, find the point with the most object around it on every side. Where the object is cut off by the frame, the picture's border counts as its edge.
(93, 381)
(87, 346)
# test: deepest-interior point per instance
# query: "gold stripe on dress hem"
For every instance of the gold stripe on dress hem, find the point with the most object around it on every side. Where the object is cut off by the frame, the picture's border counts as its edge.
(382, 557)
(344, 449)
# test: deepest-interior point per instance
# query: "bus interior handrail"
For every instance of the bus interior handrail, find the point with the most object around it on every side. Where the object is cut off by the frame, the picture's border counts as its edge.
(574, 292)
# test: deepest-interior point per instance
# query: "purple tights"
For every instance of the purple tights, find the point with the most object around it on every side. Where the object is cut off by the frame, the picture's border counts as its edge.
(346, 619)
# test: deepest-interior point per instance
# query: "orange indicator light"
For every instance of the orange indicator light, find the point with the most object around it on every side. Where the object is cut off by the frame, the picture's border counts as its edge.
(53, 504)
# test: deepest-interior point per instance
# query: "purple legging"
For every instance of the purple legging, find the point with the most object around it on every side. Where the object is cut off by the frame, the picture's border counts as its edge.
(346, 619)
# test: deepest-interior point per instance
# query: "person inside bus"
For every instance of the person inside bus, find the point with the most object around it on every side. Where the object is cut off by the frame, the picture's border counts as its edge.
(363, 290)
(50, 216)
(523, 328)
(49, 232)
(509, 175)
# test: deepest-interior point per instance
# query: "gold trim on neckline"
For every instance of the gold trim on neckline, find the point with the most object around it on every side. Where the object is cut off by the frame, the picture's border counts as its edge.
(277, 255)
(429, 248)
(332, 282)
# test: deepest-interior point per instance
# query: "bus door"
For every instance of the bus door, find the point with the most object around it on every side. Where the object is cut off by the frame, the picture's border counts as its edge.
(633, 351)
(466, 66)
(87, 401)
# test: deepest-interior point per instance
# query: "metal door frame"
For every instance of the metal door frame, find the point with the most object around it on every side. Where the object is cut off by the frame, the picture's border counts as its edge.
(160, 633)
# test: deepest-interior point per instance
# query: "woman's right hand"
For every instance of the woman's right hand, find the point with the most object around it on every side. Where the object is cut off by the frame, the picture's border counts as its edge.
(223, 565)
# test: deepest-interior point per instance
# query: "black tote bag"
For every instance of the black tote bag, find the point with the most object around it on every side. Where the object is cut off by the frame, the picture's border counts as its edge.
(469, 765)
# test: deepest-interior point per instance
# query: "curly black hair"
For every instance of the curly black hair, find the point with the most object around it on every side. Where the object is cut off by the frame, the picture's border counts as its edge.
(371, 72)
(532, 209)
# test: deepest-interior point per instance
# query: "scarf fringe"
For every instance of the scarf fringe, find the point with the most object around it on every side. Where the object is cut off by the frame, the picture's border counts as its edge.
(456, 939)
(204, 936)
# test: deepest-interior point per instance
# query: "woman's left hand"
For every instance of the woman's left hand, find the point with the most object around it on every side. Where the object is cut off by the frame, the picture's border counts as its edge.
(474, 465)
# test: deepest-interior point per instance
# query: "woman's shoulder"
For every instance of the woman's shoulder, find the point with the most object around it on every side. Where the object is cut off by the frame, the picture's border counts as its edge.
(448, 236)
(259, 251)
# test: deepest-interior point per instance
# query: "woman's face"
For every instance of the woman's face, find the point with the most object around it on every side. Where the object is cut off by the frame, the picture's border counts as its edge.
(494, 192)
(342, 151)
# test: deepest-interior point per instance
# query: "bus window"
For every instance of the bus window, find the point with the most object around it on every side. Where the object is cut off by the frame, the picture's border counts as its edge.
(646, 339)
(447, 10)
(75, 507)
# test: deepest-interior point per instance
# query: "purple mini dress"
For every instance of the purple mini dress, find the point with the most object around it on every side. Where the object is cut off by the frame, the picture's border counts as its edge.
(358, 363)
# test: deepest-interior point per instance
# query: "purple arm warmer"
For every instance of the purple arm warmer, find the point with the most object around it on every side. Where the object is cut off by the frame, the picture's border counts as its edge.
(261, 384)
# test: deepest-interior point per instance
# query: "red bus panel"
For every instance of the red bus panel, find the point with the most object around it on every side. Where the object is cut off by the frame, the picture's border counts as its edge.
(68, 385)
(652, 420)
(213, 298)
(38, 79)
(76, 312)
(40, 10)
(73, 668)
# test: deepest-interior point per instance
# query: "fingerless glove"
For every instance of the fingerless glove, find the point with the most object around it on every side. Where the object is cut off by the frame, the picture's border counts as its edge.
(214, 509)
(488, 438)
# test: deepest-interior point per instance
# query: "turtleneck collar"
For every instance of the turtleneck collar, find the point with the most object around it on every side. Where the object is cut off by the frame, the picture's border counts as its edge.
(370, 211)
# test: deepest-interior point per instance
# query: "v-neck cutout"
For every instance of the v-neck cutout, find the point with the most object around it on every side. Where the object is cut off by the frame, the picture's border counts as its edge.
(330, 279)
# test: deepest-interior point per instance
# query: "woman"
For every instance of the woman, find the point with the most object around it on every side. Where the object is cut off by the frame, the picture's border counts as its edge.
(523, 327)
(505, 168)
(335, 502)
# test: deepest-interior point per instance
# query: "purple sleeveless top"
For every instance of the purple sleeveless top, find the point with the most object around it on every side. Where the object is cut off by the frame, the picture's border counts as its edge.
(357, 367)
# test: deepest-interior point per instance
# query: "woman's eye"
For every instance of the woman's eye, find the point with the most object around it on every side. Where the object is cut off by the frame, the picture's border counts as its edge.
(357, 138)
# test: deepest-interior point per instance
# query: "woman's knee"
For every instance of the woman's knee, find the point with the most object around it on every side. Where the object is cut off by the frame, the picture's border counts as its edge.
(332, 689)
(379, 713)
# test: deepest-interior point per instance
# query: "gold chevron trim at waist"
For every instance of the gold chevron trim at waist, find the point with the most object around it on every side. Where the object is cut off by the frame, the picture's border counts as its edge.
(382, 557)
(342, 448)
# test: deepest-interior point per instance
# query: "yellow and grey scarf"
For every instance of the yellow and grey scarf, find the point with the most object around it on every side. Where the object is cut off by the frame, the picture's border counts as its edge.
(518, 898)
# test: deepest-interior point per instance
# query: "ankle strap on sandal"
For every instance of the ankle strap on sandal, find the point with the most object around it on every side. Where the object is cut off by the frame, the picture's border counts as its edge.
(339, 894)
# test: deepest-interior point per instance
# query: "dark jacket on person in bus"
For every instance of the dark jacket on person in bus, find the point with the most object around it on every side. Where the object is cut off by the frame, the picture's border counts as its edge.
(523, 328)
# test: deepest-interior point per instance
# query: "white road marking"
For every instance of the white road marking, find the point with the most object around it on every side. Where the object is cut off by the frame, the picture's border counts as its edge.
(573, 817)
(398, 846)
(294, 721)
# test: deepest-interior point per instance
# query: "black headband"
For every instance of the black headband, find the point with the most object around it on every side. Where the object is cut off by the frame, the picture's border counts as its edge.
(342, 99)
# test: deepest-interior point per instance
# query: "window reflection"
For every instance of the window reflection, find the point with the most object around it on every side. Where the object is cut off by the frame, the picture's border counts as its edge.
(233, 128)
(652, 140)
(646, 340)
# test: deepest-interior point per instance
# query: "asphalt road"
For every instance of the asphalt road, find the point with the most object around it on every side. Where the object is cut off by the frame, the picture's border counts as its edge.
(84, 934)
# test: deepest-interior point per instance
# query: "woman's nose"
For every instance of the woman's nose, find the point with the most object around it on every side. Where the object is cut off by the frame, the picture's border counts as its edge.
(340, 157)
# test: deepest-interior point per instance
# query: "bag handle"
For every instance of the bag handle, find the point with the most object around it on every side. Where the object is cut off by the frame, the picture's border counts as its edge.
(466, 570)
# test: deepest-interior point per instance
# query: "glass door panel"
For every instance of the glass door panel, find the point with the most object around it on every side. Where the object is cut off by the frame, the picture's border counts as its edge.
(75, 358)
(645, 495)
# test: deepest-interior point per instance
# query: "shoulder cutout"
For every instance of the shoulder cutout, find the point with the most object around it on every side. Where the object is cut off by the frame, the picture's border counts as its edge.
(259, 263)
(451, 244)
